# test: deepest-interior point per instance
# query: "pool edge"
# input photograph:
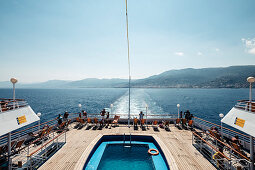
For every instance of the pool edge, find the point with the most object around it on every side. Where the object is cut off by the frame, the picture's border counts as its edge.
(168, 156)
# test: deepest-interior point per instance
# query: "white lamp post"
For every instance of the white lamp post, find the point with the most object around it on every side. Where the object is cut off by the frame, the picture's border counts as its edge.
(178, 106)
(39, 122)
(221, 116)
(250, 80)
(14, 81)
(146, 106)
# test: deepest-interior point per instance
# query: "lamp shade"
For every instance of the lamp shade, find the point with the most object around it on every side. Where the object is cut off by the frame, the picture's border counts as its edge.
(221, 115)
(251, 79)
(13, 80)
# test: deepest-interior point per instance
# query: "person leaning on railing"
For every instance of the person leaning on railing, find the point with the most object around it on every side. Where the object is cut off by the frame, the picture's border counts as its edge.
(66, 114)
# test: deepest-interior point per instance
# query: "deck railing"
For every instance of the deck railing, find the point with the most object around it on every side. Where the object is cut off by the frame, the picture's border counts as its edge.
(227, 158)
(205, 125)
(10, 104)
(246, 105)
(34, 159)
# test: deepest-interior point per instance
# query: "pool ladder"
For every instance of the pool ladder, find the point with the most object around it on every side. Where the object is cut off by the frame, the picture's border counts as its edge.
(124, 140)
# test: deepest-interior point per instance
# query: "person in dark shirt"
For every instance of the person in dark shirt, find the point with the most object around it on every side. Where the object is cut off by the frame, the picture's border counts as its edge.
(84, 114)
(66, 114)
(187, 115)
(102, 113)
(181, 115)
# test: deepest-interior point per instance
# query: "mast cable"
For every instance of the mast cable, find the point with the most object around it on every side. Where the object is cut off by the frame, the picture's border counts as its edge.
(129, 80)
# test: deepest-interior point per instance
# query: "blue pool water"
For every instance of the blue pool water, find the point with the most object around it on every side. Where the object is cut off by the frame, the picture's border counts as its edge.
(114, 155)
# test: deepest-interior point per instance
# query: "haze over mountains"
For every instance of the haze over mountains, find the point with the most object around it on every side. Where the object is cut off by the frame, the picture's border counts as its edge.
(221, 77)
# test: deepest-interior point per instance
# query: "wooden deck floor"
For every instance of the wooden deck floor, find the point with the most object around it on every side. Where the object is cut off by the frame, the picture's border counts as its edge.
(178, 142)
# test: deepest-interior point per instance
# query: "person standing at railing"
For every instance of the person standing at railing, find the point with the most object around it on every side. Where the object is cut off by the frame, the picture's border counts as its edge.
(102, 113)
(66, 114)
(187, 115)
(181, 115)
(107, 119)
(59, 120)
(84, 114)
(141, 116)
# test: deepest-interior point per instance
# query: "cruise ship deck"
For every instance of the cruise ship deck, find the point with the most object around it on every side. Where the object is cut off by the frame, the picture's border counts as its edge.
(178, 147)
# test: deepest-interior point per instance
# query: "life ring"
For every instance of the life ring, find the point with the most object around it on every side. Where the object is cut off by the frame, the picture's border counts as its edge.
(156, 152)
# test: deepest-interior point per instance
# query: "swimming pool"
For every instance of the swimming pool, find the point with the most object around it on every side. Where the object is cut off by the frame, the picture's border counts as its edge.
(109, 155)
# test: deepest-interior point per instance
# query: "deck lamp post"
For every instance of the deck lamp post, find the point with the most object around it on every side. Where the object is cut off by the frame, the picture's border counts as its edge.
(221, 116)
(14, 81)
(146, 106)
(178, 106)
(250, 80)
(39, 121)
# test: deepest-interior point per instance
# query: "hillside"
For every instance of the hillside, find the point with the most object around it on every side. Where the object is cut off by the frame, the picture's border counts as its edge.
(221, 77)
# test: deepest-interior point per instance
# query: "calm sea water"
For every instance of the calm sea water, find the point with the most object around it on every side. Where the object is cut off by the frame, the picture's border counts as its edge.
(204, 103)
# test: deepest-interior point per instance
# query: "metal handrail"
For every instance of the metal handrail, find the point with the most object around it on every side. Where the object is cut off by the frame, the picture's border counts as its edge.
(194, 133)
(222, 127)
(229, 147)
(45, 144)
(10, 104)
(246, 105)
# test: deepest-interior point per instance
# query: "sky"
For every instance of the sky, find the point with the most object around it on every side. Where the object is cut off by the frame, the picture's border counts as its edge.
(71, 40)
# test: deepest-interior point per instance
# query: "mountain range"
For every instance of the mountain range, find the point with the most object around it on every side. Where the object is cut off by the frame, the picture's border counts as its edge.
(221, 77)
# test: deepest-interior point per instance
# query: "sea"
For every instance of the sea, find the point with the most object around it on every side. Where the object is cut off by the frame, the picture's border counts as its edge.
(203, 103)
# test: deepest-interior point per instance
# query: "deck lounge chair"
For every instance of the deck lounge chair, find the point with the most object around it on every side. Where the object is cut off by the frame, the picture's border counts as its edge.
(155, 125)
(166, 125)
(177, 123)
(2, 150)
(116, 120)
(142, 124)
(190, 124)
(135, 124)
(95, 123)
(239, 150)
(184, 123)
(17, 147)
(82, 123)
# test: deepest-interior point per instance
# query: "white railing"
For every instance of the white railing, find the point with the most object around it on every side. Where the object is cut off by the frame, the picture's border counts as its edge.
(10, 104)
(246, 105)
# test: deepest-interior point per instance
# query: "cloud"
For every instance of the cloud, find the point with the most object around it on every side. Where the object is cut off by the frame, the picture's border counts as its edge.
(252, 51)
(249, 45)
(199, 53)
(179, 53)
(216, 49)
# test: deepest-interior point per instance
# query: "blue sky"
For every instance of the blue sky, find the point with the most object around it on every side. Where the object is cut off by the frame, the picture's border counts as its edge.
(70, 40)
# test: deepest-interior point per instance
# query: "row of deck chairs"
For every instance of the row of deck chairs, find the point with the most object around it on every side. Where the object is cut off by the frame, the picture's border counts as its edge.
(95, 123)
(182, 124)
(15, 147)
